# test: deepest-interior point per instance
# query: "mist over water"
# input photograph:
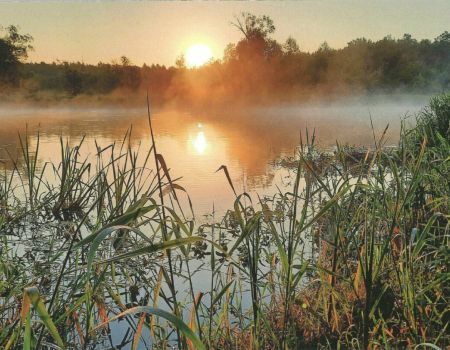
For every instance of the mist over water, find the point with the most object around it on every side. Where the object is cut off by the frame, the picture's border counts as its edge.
(196, 143)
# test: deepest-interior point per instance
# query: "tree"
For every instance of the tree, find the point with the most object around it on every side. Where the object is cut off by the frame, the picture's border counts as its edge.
(14, 49)
(291, 47)
(319, 65)
(180, 62)
(229, 53)
(256, 44)
(73, 81)
(125, 61)
(254, 27)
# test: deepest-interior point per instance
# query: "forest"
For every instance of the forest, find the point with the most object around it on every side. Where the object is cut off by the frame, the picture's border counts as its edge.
(256, 69)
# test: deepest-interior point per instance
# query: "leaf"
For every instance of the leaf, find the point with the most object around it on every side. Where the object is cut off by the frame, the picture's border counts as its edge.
(422, 237)
(227, 174)
(25, 307)
(12, 339)
(154, 248)
(280, 247)
(221, 293)
(192, 317)
(358, 274)
(179, 221)
(27, 333)
(137, 335)
(135, 211)
(38, 305)
(169, 188)
(78, 328)
(100, 236)
(299, 274)
(248, 229)
(178, 323)
(72, 308)
(325, 208)
(116, 298)
(160, 159)
(155, 299)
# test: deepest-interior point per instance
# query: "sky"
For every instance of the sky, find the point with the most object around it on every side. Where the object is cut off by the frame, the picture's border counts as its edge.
(158, 32)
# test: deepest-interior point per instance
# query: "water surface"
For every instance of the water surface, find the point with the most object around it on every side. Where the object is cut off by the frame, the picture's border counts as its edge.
(195, 144)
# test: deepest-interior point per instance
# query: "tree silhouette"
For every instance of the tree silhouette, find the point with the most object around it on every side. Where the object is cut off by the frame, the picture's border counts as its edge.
(256, 44)
(14, 48)
(74, 81)
(291, 47)
(180, 62)
(256, 69)
(254, 27)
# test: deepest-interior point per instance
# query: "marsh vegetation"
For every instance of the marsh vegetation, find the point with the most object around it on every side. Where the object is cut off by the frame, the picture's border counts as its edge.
(100, 252)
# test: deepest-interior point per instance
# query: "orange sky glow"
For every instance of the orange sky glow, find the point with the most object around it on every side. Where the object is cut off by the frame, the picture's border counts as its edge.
(158, 32)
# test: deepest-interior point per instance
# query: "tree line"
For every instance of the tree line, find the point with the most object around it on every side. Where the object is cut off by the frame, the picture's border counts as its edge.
(256, 68)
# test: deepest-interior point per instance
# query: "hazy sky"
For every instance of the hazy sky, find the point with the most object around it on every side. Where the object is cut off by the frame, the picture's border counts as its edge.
(157, 32)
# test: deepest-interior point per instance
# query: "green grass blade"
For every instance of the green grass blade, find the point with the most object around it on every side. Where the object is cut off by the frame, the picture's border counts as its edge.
(39, 307)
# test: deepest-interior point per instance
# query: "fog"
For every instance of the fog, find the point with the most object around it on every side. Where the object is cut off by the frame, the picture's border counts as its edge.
(195, 142)
(348, 120)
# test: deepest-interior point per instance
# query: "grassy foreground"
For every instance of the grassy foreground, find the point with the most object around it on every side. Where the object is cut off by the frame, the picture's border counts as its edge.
(102, 254)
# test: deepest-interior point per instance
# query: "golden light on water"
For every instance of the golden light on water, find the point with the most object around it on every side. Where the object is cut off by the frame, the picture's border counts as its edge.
(200, 143)
(198, 55)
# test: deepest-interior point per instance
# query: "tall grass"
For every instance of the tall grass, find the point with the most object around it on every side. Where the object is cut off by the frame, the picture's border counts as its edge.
(355, 255)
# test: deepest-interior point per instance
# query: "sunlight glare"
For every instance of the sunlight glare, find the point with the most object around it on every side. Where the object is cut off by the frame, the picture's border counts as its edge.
(200, 143)
(198, 55)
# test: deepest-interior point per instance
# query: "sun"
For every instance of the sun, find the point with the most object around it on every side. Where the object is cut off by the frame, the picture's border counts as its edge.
(198, 55)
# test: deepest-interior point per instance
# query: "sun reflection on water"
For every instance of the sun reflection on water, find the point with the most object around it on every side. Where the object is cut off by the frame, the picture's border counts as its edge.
(200, 143)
